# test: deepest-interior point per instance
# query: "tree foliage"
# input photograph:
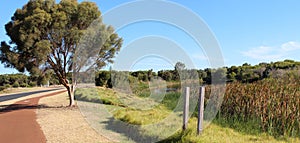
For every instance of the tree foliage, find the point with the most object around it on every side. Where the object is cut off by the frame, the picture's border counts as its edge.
(245, 73)
(22, 80)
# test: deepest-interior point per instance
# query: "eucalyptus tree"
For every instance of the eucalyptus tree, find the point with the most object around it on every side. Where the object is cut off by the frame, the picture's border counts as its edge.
(44, 36)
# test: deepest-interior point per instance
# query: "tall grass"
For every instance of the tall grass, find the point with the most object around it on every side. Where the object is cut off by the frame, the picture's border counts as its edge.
(275, 103)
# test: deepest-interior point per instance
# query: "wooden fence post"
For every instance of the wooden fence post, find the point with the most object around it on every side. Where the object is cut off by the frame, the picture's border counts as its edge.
(200, 110)
(186, 108)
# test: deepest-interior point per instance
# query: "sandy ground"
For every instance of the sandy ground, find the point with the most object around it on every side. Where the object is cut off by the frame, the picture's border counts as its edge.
(63, 124)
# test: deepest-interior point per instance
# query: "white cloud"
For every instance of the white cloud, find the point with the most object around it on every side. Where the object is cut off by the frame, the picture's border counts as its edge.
(272, 53)
(290, 46)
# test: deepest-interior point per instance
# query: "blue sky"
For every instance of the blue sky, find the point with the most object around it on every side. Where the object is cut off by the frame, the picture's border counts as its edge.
(249, 31)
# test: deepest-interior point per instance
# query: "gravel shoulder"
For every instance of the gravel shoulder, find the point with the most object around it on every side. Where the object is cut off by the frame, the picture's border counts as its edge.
(62, 124)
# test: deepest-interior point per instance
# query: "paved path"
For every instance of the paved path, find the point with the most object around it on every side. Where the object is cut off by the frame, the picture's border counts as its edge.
(18, 122)
(19, 95)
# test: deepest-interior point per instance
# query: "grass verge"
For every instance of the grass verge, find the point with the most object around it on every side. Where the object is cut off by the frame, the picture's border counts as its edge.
(220, 130)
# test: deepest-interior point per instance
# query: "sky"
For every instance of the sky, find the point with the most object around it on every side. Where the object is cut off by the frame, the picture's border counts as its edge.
(248, 31)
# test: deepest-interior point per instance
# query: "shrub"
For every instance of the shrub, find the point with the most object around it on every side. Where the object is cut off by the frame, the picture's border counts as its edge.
(23, 85)
(32, 84)
(2, 88)
(102, 78)
(7, 86)
(16, 84)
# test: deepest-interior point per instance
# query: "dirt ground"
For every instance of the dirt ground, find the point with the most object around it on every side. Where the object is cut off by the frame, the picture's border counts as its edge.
(62, 124)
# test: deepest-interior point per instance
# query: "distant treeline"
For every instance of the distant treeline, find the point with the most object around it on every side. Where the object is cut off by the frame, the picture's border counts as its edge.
(23, 80)
(245, 73)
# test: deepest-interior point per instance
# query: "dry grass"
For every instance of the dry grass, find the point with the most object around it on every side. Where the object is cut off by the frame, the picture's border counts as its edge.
(64, 124)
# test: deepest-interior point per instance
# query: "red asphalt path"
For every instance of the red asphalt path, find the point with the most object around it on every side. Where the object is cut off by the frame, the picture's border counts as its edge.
(18, 122)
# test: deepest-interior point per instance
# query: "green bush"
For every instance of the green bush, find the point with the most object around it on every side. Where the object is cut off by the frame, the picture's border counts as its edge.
(7, 86)
(23, 85)
(16, 84)
(103, 78)
(32, 84)
(2, 88)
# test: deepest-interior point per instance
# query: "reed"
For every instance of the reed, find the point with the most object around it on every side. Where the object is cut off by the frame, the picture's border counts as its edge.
(275, 103)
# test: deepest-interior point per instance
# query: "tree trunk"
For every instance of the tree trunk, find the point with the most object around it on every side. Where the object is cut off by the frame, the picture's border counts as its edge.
(71, 96)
